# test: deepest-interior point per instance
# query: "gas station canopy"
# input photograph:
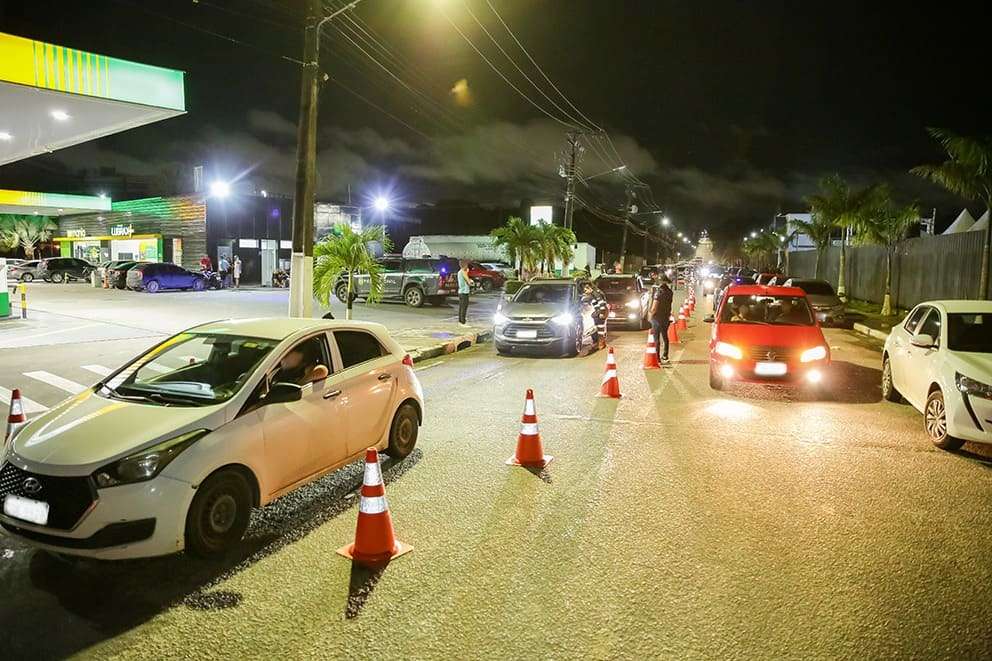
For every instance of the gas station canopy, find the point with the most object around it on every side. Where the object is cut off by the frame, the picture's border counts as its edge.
(50, 204)
(53, 97)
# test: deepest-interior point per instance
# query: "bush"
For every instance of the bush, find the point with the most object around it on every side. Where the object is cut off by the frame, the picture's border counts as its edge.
(511, 287)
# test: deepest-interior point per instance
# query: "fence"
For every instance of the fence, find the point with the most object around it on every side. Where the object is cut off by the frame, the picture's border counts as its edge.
(923, 268)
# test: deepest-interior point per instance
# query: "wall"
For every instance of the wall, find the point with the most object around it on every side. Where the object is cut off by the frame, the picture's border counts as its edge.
(923, 268)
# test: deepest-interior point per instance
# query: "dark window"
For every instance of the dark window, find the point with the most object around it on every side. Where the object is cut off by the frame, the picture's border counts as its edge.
(970, 332)
(304, 363)
(931, 326)
(357, 347)
(914, 319)
(392, 265)
(418, 266)
(813, 287)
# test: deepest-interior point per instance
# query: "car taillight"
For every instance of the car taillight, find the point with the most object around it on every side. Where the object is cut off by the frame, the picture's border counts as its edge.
(407, 360)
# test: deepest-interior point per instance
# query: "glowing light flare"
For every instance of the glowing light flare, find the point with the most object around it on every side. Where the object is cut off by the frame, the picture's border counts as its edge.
(461, 93)
(381, 204)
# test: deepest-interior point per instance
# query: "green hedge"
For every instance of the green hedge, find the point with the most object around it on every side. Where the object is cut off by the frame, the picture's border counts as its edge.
(511, 287)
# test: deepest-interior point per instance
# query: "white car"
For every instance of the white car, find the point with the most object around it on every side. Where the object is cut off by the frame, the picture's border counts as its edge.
(940, 360)
(173, 450)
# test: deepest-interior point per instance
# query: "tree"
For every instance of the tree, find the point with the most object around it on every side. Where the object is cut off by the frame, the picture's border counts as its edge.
(26, 232)
(844, 207)
(885, 225)
(820, 231)
(555, 243)
(520, 241)
(348, 253)
(761, 249)
(968, 173)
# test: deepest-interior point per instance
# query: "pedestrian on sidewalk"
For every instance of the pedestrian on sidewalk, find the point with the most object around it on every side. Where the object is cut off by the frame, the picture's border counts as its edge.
(464, 289)
(237, 272)
(205, 263)
(224, 268)
(661, 312)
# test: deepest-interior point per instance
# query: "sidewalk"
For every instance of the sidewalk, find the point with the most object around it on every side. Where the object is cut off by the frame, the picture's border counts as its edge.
(868, 321)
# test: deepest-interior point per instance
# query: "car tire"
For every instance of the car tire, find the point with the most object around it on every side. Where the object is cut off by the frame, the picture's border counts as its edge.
(58, 277)
(219, 514)
(341, 291)
(575, 347)
(716, 381)
(152, 286)
(889, 392)
(935, 423)
(414, 297)
(198, 284)
(403, 432)
(487, 285)
(27, 277)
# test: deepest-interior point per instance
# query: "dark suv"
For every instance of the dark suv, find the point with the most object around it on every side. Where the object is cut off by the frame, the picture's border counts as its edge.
(628, 298)
(412, 281)
(63, 269)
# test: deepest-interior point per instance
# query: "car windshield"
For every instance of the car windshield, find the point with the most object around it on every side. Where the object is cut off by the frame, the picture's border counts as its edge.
(970, 331)
(190, 369)
(773, 310)
(815, 288)
(543, 294)
(616, 285)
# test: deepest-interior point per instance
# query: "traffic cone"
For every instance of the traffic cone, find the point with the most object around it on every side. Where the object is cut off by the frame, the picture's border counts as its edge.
(681, 322)
(530, 452)
(651, 361)
(611, 385)
(673, 334)
(16, 417)
(375, 542)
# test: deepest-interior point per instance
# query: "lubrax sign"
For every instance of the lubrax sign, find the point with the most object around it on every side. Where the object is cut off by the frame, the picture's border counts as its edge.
(121, 230)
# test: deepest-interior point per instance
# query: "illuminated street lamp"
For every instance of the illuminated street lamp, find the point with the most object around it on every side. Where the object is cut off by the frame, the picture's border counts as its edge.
(754, 234)
(220, 189)
(665, 221)
(381, 204)
(680, 235)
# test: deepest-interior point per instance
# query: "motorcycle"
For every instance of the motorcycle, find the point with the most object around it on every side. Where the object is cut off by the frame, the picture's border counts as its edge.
(213, 280)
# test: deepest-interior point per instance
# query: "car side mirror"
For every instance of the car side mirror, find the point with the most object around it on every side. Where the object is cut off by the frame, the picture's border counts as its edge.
(709, 319)
(283, 393)
(923, 341)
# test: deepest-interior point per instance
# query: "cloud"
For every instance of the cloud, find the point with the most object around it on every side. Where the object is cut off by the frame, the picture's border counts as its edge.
(271, 122)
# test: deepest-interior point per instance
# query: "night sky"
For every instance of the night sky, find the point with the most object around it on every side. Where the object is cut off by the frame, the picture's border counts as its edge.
(731, 111)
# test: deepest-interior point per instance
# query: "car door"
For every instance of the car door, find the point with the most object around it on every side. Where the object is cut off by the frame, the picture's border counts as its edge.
(922, 363)
(367, 385)
(899, 356)
(393, 277)
(296, 433)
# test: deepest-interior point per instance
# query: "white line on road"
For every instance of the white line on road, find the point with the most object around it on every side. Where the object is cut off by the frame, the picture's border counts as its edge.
(98, 369)
(427, 367)
(30, 406)
(155, 367)
(12, 341)
(57, 381)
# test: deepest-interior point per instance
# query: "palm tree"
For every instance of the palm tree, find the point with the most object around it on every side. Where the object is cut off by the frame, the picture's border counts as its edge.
(348, 253)
(8, 239)
(844, 207)
(820, 231)
(968, 173)
(29, 231)
(761, 249)
(886, 225)
(520, 240)
(554, 243)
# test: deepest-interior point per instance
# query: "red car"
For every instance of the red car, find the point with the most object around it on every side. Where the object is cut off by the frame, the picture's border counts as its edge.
(766, 335)
(488, 279)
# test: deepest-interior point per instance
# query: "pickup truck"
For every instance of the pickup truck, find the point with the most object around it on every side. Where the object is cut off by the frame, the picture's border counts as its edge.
(413, 281)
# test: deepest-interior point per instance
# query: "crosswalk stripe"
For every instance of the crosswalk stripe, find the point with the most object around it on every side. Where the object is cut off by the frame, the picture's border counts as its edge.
(155, 367)
(98, 369)
(30, 406)
(57, 381)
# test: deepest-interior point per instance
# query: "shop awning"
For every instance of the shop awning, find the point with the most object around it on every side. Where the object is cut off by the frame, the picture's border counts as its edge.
(50, 204)
(53, 97)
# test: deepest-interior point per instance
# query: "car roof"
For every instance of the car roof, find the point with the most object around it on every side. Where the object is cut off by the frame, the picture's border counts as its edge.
(962, 305)
(279, 328)
(764, 290)
(550, 281)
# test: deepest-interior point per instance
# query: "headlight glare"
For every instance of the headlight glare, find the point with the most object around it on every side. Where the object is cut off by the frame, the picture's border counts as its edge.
(499, 319)
(970, 386)
(729, 350)
(634, 304)
(147, 463)
(816, 353)
(563, 319)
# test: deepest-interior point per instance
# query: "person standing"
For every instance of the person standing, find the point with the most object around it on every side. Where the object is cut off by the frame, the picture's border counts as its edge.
(237, 272)
(224, 267)
(661, 312)
(464, 289)
(205, 263)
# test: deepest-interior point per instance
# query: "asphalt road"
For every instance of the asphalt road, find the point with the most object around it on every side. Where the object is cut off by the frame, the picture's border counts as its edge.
(674, 523)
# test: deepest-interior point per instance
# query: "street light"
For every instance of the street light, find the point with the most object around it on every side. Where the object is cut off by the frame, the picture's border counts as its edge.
(680, 235)
(616, 169)
(220, 189)
(665, 221)
(381, 204)
(754, 234)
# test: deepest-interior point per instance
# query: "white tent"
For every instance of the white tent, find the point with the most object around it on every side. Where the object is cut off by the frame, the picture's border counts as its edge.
(982, 224)
(962, 223)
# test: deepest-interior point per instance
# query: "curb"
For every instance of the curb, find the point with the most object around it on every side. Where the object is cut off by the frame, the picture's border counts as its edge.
(451, 346)
(870, 332)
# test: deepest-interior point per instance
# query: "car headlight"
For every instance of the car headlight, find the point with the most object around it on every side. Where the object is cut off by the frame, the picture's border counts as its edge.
(147, 463)
(563, 319)
(972, 387)
(499, 319)
(634, 304)
(728, 350)
(816, 353)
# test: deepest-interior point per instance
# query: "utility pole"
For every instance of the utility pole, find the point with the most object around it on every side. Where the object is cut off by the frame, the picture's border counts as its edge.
(575, 150)
(626, 224)
(301, 264)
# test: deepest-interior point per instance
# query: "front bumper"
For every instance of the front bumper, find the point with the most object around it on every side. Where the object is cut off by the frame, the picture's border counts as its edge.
(130, 521)
(747, 371)
(969, 417)
(549, 336)
(626, 316)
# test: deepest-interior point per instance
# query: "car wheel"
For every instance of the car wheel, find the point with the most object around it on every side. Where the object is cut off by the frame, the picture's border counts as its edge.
(198, 284)
(935, 423)
(575, 347)
(152, 286)
(889, 391)
(487, 284)
(716, 381)
(58, 277)
(219, 513)
(403, 432)
(27, 277)
(341, 291)
(414, 297)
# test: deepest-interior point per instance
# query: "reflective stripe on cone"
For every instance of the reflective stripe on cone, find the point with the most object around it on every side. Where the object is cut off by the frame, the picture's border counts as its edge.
(375, 541)
(651, 361)
(611, 384)
(530, 451)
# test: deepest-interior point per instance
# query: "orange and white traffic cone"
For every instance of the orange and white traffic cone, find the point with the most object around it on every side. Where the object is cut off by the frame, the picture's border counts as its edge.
(375, 542)
(682, 325)
(651, 361)
(16, 417)
(611, 385)
(530, 451)
(673, 334)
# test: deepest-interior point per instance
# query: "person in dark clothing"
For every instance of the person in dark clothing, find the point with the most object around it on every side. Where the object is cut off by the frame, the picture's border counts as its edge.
(600, 309)
(661, 312)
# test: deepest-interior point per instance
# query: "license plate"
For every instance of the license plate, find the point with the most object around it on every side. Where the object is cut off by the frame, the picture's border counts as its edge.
(26, 509)
(770, 369)
(527, 334)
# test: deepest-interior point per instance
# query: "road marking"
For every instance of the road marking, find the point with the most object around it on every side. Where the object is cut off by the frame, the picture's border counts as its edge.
(155, 367)
(427, 367)
(30, 406)
(33, 335)
(51, 379)
(99, 369)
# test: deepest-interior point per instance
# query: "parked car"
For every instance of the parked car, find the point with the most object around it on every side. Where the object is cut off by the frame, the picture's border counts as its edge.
(548, 316)
(766, 335)
(413, 281)
(156, 276)
(827, 306)
(509, 273)
(12, 262)
(116, 273)
(175, 448)
(628, 300)
(64, 269)
(486, 278)
(940, 360)
(25, 271)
